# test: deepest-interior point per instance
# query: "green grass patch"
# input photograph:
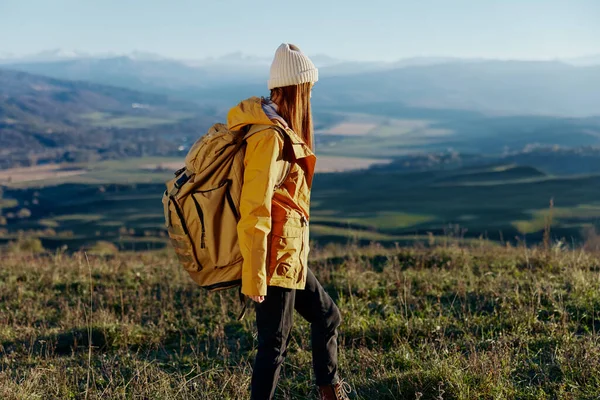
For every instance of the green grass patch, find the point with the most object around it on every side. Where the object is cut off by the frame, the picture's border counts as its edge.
(394, 220)
(49, 223)
(126, 122)
(379, 221)
(323, 230)
(144, 216)
(8, 203)
(78, 218)
(110, 223)
(558, 216)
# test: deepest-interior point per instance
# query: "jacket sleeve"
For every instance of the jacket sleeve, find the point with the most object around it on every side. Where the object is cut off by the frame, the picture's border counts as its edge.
(261, 171)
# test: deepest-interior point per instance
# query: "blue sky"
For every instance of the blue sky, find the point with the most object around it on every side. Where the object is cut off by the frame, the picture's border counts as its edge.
(354, 30)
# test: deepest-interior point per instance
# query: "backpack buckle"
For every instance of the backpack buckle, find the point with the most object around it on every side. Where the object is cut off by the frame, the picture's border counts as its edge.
(182, 180)
(180, 170)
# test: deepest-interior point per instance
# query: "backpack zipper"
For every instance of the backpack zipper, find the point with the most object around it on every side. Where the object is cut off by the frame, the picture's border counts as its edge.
(230, 201)
(201, 216)
(185, 228)
(180, 215)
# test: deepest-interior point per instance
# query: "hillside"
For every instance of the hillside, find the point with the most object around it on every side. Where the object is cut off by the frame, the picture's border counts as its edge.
(52, 120)
(454, 323)
(554, 160)
(48, 120)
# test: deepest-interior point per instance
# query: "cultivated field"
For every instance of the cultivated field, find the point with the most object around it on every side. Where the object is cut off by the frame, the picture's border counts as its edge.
(18, 176)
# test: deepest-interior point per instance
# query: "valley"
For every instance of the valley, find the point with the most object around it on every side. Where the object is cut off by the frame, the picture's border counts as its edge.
(120, 202)
(85, 162)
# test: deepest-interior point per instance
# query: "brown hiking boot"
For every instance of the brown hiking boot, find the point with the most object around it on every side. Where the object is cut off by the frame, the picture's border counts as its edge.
(338, 391)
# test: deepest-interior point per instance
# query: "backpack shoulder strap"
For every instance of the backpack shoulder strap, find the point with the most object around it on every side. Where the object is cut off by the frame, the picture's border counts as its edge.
(287, 142)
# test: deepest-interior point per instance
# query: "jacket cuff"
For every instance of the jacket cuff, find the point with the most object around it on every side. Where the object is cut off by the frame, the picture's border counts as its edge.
(254, 288)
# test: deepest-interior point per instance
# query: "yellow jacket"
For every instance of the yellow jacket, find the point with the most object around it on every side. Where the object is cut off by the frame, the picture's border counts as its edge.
(273, 226)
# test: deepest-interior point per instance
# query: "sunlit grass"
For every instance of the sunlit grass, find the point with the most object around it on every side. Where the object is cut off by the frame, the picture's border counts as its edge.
(477, 322)
(374, 221)
(557, 215)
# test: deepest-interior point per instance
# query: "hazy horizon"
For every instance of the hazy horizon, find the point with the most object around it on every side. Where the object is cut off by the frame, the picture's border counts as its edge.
(66, 53)
(380, 31)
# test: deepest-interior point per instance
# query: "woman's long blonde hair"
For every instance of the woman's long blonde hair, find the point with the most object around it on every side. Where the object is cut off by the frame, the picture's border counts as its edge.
(293, 104)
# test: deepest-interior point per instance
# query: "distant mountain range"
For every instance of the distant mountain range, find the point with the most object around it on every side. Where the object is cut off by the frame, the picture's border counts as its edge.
(570, 88)
(65, 54)
(321, 60)
(491, 87)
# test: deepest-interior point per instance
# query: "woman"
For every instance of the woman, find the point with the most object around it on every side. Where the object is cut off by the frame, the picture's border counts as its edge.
(273, 226)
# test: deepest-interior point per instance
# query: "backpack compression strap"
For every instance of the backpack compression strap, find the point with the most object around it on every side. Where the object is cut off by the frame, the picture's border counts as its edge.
(181, 180)
(244, 303)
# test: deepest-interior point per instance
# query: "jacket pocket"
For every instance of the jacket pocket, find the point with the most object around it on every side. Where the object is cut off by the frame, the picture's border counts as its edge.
(286, 250)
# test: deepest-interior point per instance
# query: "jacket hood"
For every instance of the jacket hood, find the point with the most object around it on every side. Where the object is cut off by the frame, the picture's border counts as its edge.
(248, 112)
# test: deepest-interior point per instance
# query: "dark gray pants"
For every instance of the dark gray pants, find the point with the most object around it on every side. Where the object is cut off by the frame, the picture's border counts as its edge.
(274, 319)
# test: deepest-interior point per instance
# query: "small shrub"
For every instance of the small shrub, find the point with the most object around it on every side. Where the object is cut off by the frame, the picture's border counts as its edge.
(49, 232)
(27, 244)
(103, 247)
(24, 213)
(592, 239)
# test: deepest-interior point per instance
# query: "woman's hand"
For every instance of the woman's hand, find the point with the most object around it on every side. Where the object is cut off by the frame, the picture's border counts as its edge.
(258, 299)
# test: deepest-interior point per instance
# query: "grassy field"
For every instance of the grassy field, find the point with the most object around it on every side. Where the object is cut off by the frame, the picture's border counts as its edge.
(442, 323)
(102, 119)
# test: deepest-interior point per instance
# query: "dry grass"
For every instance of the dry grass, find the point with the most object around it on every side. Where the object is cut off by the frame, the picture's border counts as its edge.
(444, 323)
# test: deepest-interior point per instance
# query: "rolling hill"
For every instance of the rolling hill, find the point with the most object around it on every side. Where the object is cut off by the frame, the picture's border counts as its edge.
(46, 118)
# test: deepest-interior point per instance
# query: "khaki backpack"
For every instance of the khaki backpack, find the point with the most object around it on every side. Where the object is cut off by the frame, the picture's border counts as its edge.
(201, 206)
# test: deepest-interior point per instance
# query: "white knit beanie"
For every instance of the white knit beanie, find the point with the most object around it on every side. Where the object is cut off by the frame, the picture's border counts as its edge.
(291, 67)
